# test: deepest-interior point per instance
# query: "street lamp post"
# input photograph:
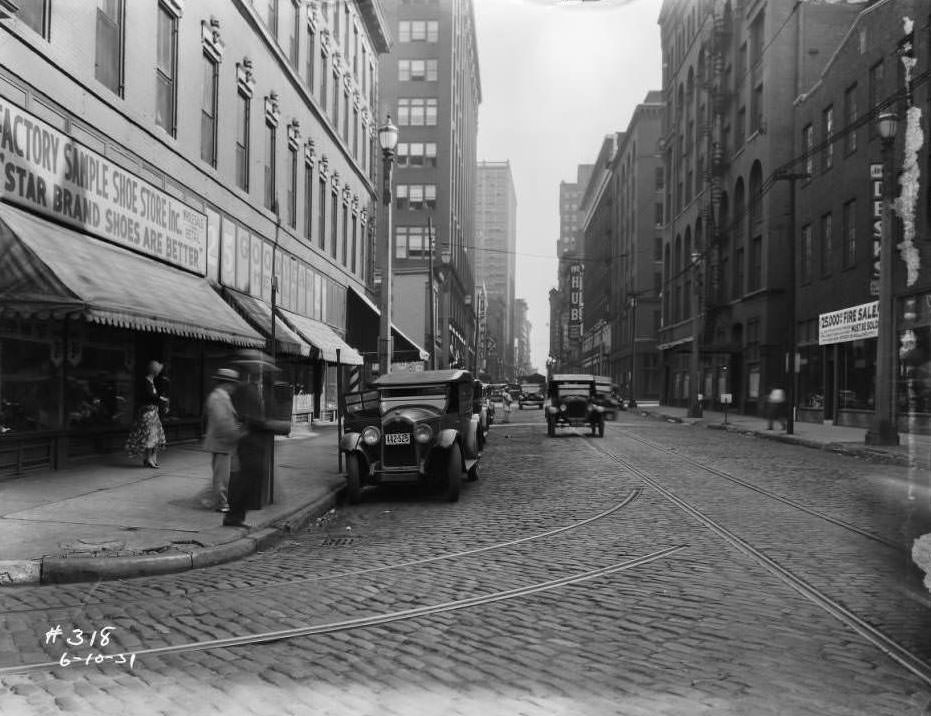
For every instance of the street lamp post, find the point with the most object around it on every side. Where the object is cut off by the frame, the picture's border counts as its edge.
(883, 429)
(695, 408)
(388, 139)
(632, 299)
(431, 293)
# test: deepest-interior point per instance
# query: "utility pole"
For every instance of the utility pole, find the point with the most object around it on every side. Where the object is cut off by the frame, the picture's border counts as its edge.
(791, 357)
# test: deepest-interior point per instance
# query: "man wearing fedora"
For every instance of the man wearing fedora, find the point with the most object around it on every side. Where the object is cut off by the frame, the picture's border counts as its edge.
(246, 483)
(223, 432)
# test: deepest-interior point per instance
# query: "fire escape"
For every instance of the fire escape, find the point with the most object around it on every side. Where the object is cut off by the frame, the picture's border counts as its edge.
(712, 128)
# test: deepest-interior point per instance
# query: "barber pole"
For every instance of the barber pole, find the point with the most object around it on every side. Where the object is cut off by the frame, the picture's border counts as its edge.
(355, 377)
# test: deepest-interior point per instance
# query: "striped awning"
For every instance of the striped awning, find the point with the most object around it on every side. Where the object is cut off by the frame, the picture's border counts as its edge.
(259, 314)
(322, 337)
(50, 271)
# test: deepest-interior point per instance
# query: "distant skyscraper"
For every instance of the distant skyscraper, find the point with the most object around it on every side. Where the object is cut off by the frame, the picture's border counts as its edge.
(430, 86)
(570, 218)
(567, 244)
(495, 246)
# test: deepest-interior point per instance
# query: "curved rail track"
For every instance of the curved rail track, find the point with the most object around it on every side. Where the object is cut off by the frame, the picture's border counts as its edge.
(272, 584)
(910, 661)
(380, 619)
(763, 491)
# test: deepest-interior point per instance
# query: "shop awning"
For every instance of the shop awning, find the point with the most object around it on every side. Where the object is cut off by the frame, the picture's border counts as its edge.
(259, 314)
(50, 271)
(402, 343)
(321, 337)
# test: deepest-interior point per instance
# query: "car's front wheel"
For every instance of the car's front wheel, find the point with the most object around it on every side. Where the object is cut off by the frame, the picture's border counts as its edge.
(550, 427)
(453, 473)
(353, 480)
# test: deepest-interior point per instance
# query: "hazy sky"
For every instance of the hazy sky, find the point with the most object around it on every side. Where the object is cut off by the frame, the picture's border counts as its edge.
(556, 78)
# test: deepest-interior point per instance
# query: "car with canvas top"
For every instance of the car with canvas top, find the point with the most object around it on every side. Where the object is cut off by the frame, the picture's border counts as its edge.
(573, 403)
(412, 427)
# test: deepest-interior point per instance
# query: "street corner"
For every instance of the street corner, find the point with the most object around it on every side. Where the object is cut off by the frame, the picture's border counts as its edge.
(20, 571)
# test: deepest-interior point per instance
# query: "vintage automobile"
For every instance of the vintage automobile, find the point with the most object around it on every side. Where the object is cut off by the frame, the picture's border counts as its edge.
(412, 427)
(531, 395)
(481, 406)
(572, 404)
(606, 397)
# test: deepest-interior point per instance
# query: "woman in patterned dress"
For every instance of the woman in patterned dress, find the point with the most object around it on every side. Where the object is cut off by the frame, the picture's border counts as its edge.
(148, 435)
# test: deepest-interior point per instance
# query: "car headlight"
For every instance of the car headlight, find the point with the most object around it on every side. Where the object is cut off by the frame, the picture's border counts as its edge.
(599, 409)
(423, 433)
(371, 435)
(562, 407)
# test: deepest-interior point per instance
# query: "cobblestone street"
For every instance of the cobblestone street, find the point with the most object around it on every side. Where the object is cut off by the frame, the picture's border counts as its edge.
(681, 620)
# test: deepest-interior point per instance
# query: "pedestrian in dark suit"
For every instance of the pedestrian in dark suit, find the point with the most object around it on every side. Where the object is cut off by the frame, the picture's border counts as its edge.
(245, 487)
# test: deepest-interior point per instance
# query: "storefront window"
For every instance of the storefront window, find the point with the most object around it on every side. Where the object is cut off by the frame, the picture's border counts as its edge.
(98, 384)
(856, 374)
(29, 396)
(811, 377)
(183, 381)
(913, 382)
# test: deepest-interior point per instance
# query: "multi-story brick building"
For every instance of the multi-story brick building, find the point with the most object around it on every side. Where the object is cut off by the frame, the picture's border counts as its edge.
(430, 85)
(838, 145)
(636, 256)
(731, 70)
(597, 239)
(185, 147)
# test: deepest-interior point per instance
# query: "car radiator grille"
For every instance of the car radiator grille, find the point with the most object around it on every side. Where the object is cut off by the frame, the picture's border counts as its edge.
(576, 410)
(399, 455)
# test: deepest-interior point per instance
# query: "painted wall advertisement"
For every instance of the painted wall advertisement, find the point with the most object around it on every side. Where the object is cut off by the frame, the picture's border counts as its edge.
(849, 324)
(47, 171)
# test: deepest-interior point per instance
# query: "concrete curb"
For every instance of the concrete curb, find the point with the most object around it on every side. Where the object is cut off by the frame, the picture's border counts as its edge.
(862, 452)
(65, 570)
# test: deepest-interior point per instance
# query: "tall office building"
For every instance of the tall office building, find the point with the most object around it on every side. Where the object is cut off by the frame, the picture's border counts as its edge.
(430, 85)
(494, 259)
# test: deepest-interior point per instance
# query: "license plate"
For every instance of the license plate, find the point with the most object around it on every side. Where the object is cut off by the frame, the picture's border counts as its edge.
(397, 438)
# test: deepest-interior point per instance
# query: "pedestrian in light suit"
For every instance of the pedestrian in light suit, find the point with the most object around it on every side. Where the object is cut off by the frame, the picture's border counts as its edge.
(223, 432)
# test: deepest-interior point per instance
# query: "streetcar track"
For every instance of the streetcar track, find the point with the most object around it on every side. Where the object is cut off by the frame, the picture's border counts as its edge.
(634, 494)
(380, 619)
(905, 658)
(772, 495)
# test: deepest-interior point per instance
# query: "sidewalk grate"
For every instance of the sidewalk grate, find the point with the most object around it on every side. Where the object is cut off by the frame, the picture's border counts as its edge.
(338, 541)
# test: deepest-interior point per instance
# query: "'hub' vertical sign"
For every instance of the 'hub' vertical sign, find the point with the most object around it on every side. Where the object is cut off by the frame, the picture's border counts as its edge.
(575, 300)
(876, 201)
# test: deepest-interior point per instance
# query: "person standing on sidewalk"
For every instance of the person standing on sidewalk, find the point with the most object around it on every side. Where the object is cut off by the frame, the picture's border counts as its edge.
(245, 487)
(775, 407)
(222, 434)
(148, 435)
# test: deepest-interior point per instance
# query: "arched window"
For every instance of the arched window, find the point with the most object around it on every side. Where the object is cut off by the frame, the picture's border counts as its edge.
(756, 198)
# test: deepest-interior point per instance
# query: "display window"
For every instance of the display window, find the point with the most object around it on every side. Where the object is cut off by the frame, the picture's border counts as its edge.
(856, 377)
(183, 380)
(31, 356)
(811, 377)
